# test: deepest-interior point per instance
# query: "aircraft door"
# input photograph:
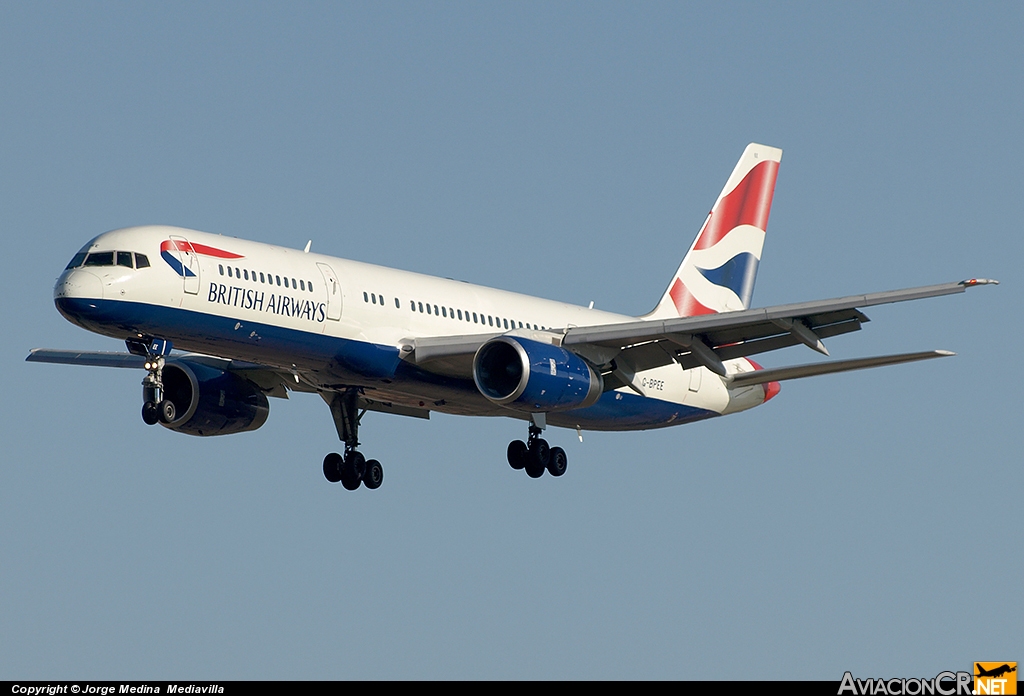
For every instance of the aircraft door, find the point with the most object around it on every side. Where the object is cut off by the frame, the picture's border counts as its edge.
(333, 291)
(189, 264)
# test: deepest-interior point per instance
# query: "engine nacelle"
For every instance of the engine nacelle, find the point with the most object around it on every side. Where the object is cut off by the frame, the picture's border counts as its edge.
(208, 401)
(535, 377)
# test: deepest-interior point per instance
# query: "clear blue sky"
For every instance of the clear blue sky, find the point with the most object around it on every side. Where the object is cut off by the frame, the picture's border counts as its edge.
(860, 522)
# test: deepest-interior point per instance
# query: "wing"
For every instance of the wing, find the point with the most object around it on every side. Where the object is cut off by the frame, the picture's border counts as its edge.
(622, 350)
(273, 382)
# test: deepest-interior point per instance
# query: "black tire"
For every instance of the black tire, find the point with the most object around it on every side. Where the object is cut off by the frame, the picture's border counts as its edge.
(332, 467)
(374, 475)
(150, 414)
(355, 464)
(557, 462)
(539, 452)
(537, 458)
(516, 454)
(352, 470)
(166, 411)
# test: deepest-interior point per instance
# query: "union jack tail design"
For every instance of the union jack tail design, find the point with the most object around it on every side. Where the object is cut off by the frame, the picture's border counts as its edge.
(717, 274)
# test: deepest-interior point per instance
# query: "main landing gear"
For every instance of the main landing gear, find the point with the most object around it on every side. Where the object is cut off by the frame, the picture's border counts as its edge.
(535, 455)
(352, 468)
(155, 408)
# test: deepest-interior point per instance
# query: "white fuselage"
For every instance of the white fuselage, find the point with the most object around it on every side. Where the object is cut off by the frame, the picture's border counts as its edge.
(332, 321)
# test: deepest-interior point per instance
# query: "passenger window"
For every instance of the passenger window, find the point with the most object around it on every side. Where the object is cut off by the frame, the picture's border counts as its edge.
(474, 318)
(141, 261)
(229, 272)
(460, 314)
(421, 305)
(77, 261)
(366, 298)
(294, 286)
(444, 313)
(262, 279)
(506, 323)
(278, 278)
(490, 320)
(124, 258)
(309, 285)
(220, 267)
(398, 305)
(104, 258)
(302, 285)
(435, 310)
(246, 273)
(428, 309)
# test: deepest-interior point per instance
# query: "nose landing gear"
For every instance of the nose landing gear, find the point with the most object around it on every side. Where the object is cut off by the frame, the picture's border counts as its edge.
(155, 408)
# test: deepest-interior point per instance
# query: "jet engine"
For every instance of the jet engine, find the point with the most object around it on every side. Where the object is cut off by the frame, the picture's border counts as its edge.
(209, 401)
(535, 377)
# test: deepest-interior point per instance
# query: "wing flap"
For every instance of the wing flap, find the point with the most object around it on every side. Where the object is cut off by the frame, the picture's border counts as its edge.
(395, 408)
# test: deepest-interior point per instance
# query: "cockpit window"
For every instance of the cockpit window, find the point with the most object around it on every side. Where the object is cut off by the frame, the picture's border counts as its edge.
(124, 258)
(102, 258)
(141, 261)
(76, 261)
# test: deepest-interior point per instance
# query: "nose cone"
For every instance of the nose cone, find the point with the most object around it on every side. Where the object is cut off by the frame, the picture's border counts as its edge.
(78, 284)
(77, 294)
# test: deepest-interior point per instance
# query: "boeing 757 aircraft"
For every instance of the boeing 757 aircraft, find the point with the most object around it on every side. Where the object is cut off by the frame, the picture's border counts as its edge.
(261, 321)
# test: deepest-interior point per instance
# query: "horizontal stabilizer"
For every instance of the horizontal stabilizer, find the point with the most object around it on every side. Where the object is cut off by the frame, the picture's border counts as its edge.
(778, 374)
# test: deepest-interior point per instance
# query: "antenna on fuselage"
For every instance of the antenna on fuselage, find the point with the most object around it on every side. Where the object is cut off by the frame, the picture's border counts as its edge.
(306, 250)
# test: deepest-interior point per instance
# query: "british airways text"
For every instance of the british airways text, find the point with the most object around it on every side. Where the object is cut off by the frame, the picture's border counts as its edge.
(281, 305)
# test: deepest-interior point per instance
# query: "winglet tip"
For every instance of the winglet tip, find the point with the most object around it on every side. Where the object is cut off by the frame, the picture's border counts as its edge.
(971, 282)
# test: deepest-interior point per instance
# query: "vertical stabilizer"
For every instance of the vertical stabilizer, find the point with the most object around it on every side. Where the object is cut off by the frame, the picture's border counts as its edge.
(717, 274)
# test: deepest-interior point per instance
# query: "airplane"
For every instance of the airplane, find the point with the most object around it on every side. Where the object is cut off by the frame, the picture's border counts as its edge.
(258, 321)
(995, 672)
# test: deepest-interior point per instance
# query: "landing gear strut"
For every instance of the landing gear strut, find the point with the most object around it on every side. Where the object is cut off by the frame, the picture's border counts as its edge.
(535, 455)
(352, 468)
(155, 408)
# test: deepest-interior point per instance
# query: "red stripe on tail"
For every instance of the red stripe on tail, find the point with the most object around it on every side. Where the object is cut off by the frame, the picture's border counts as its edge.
(747, 204)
